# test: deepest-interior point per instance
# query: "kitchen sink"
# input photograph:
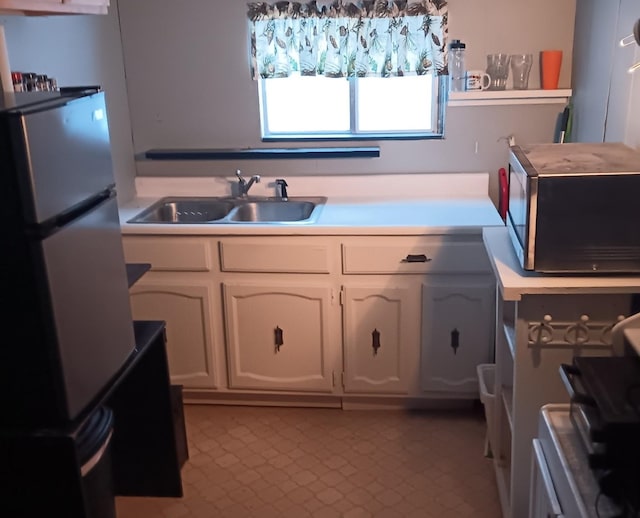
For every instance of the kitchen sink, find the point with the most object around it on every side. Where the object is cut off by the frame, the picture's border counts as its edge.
(212, 210)
(185, 210)
(273, 211)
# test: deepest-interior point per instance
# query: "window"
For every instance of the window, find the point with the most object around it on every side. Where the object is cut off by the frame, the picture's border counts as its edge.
(358, 69)
(300, 107)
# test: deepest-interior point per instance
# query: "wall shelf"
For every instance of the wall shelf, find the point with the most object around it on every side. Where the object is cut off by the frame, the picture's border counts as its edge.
(505, 97)
(262, 153)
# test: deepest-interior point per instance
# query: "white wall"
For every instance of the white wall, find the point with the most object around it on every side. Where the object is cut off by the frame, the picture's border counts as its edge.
(188, 85)
(80, 50)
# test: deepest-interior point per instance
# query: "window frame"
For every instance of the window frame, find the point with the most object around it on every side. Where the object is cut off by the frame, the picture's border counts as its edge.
(439, 88)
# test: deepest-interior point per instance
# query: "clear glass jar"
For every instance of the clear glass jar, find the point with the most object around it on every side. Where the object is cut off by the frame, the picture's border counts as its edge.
(456, 65)
(30, 81)
(43, 82)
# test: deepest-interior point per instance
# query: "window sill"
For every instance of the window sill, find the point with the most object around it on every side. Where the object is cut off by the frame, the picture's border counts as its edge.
(506, 97)
(262, 153)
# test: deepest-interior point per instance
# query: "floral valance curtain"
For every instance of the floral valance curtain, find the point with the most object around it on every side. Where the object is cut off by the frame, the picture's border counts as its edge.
(364, 38)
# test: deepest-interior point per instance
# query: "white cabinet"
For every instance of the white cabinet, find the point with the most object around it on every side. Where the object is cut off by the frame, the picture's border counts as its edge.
(180, 289)
(281, 317)
(185, 305)
(457, 335)
(278, 336)
(542, 321)
(534, 336)
(381, 334)
(433, 297)
(361, 318)
(49, 7)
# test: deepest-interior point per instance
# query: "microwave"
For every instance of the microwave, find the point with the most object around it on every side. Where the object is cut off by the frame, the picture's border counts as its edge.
(575, 208)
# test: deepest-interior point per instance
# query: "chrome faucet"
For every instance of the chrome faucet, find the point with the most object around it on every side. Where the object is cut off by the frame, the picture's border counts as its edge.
(243, 185)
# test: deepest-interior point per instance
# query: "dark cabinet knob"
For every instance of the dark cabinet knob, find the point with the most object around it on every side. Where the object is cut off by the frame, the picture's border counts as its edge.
(455, 340)
(375, 341)
(278, 338)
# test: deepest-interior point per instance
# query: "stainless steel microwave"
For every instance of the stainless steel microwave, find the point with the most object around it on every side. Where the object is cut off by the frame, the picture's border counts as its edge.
(575, 208)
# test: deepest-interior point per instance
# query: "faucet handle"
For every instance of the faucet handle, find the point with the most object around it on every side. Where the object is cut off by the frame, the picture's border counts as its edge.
(281, 186)
(239, 175)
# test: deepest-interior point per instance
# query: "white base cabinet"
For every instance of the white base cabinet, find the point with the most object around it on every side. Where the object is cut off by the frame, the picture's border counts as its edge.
(185, 306)
(395, 318)
(381, 334)
(278, 337)
(439, 315)
(457, 333)
(181, 290)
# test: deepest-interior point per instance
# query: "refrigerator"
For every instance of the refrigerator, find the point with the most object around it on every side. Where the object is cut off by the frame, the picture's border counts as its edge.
(65, 322)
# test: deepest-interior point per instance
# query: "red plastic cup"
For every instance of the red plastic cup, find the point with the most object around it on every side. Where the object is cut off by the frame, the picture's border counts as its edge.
(550, 63)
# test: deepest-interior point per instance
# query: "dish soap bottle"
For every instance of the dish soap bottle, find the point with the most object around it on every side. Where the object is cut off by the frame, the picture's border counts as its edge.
(456, 66)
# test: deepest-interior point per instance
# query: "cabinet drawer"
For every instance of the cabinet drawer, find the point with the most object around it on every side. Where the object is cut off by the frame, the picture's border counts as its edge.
(275, 255)
(414, 255)
(169, 253)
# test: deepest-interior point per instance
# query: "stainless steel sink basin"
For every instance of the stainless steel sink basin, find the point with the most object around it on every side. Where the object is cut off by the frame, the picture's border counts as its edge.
(185, 210)
(273, 211)
(190, 210)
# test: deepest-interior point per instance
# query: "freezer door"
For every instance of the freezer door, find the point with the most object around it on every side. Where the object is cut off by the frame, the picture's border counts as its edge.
(63, 155)
(89, 296)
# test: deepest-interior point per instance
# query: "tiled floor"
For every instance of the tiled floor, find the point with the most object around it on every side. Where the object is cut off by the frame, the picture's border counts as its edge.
(297, 462)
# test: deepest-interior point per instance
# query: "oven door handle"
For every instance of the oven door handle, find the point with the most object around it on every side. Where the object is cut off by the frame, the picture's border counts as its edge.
(570, 374)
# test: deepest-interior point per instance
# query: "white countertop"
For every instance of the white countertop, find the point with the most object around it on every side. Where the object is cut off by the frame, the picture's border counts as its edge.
(400, 205)
(514, 282)
(345, 216)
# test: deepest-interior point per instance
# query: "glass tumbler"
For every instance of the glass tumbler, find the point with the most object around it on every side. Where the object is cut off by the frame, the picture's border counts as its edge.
(520, 68)
(498, 70)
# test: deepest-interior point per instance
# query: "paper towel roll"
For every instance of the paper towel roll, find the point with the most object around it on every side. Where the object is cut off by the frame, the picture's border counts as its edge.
(5, 69)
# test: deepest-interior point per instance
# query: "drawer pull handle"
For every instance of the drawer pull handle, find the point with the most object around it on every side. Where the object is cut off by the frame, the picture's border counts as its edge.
(375, 341)
(416, 258)
(279, 338)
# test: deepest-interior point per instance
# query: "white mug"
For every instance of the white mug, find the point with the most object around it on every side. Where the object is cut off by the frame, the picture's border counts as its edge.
(476, 80)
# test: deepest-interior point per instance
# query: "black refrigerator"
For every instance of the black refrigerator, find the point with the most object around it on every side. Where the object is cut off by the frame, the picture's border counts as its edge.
(65, 327)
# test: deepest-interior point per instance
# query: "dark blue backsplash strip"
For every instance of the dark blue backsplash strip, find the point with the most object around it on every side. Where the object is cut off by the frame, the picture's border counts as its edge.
(262, 154)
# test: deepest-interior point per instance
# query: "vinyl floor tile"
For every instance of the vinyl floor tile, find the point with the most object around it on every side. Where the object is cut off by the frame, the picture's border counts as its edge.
(265, 462)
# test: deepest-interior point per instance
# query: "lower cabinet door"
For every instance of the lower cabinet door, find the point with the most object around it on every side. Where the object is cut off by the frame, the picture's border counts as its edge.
(457, 334)
(543, 502)
(381, 338)
(278, 337)
(186, 310)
